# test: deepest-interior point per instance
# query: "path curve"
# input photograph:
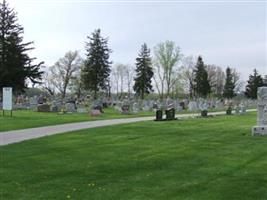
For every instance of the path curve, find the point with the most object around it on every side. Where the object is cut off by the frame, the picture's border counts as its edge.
(9, 137)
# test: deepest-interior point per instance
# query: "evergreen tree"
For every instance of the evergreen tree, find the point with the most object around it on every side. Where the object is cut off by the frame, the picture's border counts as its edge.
(144, 72)
(95, 74)
(228, 91)
(15, 64)
(255, 81)
(202, 86)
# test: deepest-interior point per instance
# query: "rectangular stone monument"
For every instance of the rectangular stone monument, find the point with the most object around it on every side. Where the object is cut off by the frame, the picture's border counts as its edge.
(192, 106)
(33, 103)
(82, 110)
(261, 128)
(70, 107)
(170, 114)
(95, 113)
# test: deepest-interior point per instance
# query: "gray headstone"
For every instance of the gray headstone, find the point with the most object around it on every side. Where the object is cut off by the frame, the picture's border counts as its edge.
(70, 107)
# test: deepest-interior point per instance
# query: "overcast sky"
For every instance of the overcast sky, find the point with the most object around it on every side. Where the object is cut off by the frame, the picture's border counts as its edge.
(224, 33)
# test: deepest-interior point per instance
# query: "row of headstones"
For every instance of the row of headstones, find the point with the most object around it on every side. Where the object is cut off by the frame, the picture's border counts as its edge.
(126, 106)
(170, 113)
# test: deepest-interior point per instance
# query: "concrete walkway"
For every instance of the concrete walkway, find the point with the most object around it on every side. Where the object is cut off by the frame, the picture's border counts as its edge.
(15, 136)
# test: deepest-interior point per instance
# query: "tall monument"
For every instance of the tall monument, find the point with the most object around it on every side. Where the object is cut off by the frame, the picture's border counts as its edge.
(261, 128)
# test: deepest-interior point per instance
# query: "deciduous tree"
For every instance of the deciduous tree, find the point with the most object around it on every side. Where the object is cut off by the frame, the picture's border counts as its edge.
(65, 69)
(167, 57)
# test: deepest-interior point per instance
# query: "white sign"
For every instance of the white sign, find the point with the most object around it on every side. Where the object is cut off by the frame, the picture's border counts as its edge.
(7, 98)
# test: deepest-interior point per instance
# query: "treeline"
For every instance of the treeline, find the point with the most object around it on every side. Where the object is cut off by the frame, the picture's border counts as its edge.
(168, 72)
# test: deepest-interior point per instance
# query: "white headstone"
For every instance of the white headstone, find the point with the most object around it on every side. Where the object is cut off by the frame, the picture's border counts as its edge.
(7, 98)
(192, 106)
(261, 128)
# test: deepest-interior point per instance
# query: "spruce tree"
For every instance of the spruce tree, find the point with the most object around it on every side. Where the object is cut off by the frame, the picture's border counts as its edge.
(144, 72)
(202, 86)
(228, 91)
(255, 81)
(96, 71)
(15, 64)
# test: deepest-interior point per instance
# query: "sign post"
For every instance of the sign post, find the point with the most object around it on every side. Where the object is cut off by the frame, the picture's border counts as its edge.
(7, 99)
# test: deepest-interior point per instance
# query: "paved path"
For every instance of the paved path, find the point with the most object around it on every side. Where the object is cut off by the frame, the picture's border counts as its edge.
(10, 137)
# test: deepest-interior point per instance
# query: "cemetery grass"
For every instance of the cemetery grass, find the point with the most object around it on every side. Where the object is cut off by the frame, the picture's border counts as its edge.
(211, 158)
(22, 119)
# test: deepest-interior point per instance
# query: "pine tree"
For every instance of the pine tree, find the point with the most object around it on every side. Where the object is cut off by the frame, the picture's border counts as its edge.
(202, 86)
(228, 91)
(96, 71)
(15, 64)
(255, 81)
(144, 72)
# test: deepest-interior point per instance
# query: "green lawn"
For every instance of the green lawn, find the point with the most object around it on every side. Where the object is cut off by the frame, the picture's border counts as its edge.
(28, 119)
(212, 158)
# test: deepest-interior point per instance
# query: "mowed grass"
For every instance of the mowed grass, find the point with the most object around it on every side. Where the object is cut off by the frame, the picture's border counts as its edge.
(29, 119)
(212, 158)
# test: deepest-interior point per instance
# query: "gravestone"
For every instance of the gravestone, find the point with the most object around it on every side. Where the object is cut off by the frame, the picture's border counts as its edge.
(117, 108)
(242, 108)
(192, 106)
(126, 107)
(43, 108)
(182, 104)
(229, 110)
(237, 110)
(203, 108)
(95, 113)
(145, 105)
(70, 107)
(82, 110)
(170, 111)
(55, 106)
(170, 114)
(261, 128)
(33, 102)
(135, 108)
(159, 115)
(179, 108)
(98, 105)
(41, 99)
(219, 104)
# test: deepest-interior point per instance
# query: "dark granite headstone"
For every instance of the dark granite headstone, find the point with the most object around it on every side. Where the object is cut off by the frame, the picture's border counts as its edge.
(204, 113)
(170, 114)
(159, 115)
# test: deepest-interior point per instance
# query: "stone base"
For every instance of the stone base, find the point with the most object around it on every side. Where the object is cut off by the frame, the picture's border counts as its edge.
(259, 130)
